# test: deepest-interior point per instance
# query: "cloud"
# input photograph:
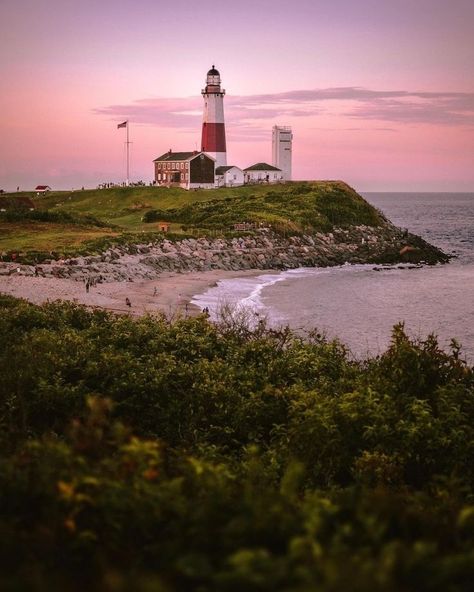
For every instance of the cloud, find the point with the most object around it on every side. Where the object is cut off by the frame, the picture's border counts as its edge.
(392, 106)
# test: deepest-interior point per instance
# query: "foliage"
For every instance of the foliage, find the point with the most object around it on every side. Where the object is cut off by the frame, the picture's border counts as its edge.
(298, 207)
(17, 215)
(155, 455)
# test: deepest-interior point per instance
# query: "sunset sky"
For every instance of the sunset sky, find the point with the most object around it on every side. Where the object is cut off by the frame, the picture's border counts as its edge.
(379, 93)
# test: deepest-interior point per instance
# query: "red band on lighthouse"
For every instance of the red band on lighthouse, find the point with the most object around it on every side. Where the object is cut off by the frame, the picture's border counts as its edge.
(213, 137)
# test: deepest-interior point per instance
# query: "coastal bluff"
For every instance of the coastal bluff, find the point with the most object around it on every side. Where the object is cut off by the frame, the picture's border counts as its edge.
(361, 244)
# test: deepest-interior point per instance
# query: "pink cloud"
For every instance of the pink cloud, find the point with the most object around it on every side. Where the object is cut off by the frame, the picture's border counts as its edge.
(402, 107)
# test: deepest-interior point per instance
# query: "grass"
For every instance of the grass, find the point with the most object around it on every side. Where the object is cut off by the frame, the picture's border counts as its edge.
(295, 207)
(43, 236)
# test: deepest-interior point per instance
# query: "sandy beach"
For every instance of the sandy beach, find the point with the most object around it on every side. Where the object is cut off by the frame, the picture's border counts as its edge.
(170, 294)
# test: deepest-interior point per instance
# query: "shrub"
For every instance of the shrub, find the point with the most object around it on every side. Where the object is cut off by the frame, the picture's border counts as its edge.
(143, 454)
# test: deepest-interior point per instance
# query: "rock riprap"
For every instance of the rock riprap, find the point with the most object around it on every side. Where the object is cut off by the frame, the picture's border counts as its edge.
(262, 250)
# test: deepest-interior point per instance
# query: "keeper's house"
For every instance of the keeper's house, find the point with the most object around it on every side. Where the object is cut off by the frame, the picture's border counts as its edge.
(263, 173)
(189, 170)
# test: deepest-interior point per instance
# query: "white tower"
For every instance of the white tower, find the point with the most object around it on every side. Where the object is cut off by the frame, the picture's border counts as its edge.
(213, 126)
(282, 149)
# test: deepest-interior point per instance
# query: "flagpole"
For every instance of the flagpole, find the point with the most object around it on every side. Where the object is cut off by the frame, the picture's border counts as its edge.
(125, 124)
(128, 158)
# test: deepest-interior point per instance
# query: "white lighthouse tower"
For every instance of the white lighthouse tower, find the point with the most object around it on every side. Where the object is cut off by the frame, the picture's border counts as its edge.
(213, 126)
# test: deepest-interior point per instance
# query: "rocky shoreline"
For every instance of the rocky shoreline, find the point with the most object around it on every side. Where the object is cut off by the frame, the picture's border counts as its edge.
(263, 250)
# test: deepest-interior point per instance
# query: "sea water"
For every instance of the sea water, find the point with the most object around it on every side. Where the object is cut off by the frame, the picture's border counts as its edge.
(360, 304)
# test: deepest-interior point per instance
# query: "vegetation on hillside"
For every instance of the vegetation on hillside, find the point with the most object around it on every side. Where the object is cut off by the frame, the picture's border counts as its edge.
(176, 456)
(295, 207)
(299, 207)
(54, 216)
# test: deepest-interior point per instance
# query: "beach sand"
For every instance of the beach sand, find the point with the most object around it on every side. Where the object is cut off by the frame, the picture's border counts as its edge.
(174, 291)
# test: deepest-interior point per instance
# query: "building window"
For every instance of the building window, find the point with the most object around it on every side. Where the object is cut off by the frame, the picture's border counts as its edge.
(186, 166)
(158, 166)
(159, 176)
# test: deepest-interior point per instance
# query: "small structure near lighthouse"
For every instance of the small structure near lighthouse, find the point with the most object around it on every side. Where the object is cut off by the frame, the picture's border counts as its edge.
(229, 176)
(261, 172)
(213, 126)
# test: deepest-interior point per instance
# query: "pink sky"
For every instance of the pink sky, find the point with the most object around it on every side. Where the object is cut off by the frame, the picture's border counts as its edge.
(379, 93)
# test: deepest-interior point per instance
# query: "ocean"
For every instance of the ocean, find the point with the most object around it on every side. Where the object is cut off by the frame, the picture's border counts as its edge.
(359, 304)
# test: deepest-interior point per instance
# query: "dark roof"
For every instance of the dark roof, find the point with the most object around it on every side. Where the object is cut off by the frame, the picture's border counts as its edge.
(42, 187)
(222, 169)
(213, 71)
(176, 156)
(262, 166)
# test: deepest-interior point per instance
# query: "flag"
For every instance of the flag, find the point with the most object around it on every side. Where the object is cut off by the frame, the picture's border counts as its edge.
(124, 124)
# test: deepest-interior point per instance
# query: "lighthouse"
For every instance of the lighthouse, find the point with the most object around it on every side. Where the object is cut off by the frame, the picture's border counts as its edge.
(213, 126)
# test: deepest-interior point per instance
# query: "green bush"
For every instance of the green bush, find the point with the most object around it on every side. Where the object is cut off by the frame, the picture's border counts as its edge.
(149, 455)
(55, 216)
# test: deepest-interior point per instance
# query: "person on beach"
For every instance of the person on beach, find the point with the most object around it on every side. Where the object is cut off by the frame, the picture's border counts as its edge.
(127, 302)
(155, 292)
(87, 286)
